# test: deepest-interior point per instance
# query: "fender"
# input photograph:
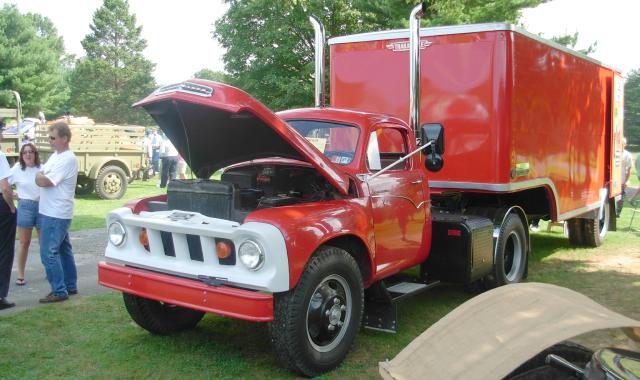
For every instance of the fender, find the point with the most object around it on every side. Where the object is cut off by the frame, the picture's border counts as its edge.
(307, 226)
(95, 168)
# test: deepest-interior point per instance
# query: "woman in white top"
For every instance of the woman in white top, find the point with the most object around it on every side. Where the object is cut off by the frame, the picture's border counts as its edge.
(23, 176)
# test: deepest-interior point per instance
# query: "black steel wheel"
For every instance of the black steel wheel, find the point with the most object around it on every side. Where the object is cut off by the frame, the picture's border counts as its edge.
(160, 318)
(511, 253)
(111, 182)
(315, 324)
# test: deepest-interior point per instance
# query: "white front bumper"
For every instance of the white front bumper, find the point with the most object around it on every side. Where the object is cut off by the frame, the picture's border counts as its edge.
(273, 276)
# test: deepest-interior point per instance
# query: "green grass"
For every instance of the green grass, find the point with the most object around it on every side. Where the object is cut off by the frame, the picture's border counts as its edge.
(94, 337)
(91, 211)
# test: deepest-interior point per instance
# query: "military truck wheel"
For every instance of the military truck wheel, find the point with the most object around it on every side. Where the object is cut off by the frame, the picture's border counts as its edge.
(85, 185)
(511, 253)
(160, 318)
(315, 324)
(595, 230)
(111, 183)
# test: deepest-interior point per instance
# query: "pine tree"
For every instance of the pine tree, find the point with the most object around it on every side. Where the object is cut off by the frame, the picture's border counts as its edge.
(114, 73)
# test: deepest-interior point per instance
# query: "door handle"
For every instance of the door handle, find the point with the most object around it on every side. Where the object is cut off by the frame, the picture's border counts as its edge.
(416, 182)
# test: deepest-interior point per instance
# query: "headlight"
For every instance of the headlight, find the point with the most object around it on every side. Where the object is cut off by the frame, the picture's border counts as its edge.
(117, 233)
(251, 255)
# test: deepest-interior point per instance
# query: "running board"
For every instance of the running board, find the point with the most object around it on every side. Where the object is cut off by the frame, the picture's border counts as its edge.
(380, 311)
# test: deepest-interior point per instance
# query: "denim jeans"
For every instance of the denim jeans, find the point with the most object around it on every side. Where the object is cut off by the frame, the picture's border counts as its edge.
(56, 254)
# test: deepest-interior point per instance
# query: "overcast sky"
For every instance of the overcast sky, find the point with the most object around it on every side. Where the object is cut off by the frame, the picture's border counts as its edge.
(179, 39)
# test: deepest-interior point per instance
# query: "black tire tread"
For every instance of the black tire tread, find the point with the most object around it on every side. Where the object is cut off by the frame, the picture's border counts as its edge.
(591, 229)
(496, 278)
(283, 330)
(575, 227)
(148, 315)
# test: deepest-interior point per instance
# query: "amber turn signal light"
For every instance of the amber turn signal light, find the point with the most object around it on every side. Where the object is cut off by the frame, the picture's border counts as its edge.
(144, 238)
(224, 249)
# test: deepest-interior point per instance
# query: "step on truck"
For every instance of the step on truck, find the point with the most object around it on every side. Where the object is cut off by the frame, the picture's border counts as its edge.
(319, 211)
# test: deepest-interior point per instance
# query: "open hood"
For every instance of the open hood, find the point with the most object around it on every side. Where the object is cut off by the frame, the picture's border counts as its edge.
(213, 125)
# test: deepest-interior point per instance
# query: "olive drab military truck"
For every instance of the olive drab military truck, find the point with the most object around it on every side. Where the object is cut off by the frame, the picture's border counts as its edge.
(109, 156)
(10, 143)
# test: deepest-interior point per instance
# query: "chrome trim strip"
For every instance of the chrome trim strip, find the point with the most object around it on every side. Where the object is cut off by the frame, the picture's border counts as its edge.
(460, 29)
(405, 198)
(186, 87)
(515, 186)
(497, 187)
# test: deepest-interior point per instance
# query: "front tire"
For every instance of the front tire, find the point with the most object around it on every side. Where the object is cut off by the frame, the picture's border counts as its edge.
(111, 182)
(511, 253)
(315, 324)
(160, 318)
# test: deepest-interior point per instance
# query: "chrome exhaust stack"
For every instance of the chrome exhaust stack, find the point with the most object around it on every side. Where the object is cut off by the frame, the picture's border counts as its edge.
(414, 69)
(319, 58)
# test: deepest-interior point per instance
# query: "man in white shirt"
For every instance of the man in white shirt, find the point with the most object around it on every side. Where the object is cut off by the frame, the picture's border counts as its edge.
(7, 230)
(169, 156)
(57, 181)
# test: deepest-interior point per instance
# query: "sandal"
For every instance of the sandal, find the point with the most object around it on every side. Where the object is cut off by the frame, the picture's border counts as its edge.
(20, 281)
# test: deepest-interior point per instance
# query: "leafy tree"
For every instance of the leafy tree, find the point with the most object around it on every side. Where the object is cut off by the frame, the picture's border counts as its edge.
(31, 56)
(571, 40)
(216, 76)
(269, 43)
(114, 74)
(632, 107)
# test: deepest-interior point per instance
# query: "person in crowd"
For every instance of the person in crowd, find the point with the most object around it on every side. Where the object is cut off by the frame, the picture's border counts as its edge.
(7, 229)
(23, 177)
(627, 165)
(148, 149)
(57, 182)
(156, 144)
(182, 168)
(169, 156)
(633, 201)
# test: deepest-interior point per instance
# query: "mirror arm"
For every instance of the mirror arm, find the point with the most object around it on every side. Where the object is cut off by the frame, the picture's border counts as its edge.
(402, 159)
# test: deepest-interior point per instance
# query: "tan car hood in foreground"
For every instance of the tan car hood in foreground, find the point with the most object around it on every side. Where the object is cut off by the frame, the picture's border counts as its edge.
(492, 334)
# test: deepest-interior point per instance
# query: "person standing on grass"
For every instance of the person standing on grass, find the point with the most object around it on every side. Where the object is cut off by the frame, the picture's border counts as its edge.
(627, 165)
(57, 181)
(23, 177)
(156, 143)
(7, 229)
(169, 156)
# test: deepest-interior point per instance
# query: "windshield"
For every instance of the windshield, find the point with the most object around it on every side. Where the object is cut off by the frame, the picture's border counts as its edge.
(337, 141)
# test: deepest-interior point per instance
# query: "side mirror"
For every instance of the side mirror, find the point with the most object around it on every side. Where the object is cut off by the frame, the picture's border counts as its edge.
(433, 132)
(433, 156)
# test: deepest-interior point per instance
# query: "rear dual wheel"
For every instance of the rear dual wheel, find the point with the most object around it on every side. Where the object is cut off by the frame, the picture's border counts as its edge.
(511, 253)
(315, 324)
(589, 232)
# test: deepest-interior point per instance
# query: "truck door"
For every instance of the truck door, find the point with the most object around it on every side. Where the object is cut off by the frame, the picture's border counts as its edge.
(397, 199)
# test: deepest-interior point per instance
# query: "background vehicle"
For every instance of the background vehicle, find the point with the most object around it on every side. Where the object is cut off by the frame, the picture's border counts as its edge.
(109, 156)
(10, 144)
(319, 210)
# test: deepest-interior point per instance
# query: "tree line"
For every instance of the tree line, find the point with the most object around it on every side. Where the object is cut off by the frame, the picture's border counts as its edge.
(269, 52)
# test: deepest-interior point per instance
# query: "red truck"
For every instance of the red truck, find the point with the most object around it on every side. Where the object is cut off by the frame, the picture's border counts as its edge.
(318, 211)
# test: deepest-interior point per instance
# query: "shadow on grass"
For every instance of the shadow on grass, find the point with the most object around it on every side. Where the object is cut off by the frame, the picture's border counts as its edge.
(546, 244)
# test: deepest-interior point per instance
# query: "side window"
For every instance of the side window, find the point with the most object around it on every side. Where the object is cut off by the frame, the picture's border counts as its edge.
(386, 145)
